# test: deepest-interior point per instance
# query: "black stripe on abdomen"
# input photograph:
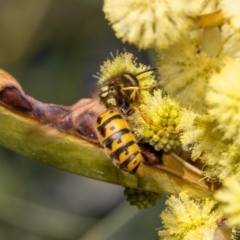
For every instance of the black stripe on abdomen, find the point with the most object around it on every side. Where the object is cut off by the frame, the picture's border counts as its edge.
(102, 127)
(124, 165)
(107, 143)
(124, 148)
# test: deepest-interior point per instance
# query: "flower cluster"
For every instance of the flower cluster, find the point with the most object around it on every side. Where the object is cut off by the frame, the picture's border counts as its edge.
(231, 12)
(197, 43)
(225, 86)
(140, 198)
(124, 63)
(186, 218)
(229, 196)
(158, 121)
(154, 23)
(188, 66)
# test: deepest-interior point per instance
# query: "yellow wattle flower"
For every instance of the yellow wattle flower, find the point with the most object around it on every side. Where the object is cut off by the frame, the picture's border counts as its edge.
(188, 65)
(187, 219)
(124, 63)
(156, 121)
(221, 157)
(231, 12)
(155, 23)
(223, 100)
(229, 196)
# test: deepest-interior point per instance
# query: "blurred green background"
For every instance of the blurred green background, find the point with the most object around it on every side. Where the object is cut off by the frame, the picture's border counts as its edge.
(53, 47)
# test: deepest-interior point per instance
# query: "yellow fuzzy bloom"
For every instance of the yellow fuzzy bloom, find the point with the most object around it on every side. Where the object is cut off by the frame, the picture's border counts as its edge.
(186, 68)
(202, 136)
(229, 196)
(231, 12)
(190, 132)
(221, 157)
(187, 219)
(223, 100)
(124, 63)
(155, 23)
(156, 121)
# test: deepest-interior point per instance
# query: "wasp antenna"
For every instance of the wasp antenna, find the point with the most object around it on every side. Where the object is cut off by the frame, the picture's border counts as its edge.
(147, 70)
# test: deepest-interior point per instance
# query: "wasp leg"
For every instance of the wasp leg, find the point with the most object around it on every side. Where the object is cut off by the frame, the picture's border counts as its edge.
(135, 95)
(150, 123)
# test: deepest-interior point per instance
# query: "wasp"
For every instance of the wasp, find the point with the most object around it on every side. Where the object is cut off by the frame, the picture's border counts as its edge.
(118, 95)
(119, 142)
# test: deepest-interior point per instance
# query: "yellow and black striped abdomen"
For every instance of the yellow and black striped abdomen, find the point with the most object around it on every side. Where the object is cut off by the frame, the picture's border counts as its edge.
(119, 142)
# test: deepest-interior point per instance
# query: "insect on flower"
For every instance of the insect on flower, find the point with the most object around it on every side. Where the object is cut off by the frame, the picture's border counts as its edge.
(119, 94)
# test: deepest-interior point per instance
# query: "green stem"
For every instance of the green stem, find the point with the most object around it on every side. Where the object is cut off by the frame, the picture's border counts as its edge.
(67, 152)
